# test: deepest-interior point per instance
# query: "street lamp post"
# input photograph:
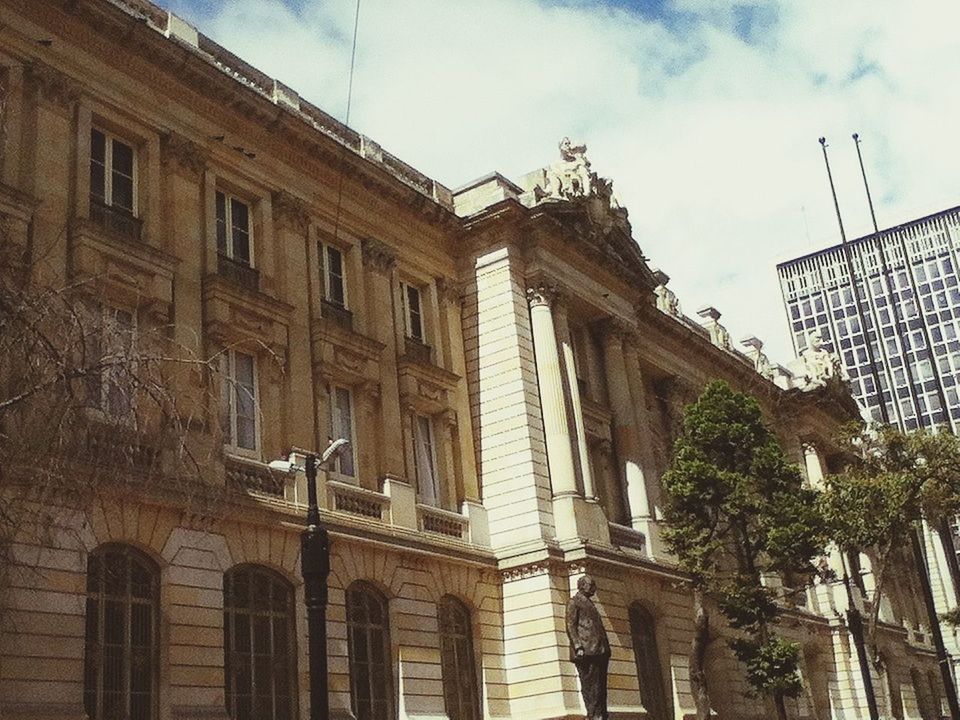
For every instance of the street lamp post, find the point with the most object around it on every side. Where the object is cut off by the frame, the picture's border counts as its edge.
(315, 567)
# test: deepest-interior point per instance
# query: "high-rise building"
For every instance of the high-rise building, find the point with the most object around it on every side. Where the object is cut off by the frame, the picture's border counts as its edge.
(916, 353)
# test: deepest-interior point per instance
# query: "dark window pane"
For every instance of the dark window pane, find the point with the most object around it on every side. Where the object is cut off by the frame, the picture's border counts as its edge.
(259, 609)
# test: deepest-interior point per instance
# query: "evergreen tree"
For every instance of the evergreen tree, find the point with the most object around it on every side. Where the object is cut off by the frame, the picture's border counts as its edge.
(736, 512)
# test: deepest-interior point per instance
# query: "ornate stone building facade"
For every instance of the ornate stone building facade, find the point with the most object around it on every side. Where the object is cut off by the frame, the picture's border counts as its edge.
(508, 367)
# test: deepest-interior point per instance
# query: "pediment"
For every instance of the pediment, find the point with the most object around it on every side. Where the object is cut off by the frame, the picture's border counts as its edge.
(602, 233)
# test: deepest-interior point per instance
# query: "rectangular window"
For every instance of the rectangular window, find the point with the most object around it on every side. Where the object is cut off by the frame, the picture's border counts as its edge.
(113, 172)
(341, 426)
(412, 312)
(238, 401)
(424, 454)
(233, 228)
(334, 284)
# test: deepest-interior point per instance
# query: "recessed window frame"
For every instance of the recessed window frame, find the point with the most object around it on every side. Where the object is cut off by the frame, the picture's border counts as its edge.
(100, 598)
(327, 267)
(103, 383)
(362, 630)
(429, 488)
(338, 469)
(458, 662)
(108, 199)
(246, 625)
(229, 387)
(414, 320)
(649, 669)
(227, 247)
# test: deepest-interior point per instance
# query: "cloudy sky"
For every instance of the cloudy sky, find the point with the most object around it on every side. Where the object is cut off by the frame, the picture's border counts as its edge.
(706, 113)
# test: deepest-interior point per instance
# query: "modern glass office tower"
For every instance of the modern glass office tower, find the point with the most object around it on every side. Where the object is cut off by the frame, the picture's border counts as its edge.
(917, 272)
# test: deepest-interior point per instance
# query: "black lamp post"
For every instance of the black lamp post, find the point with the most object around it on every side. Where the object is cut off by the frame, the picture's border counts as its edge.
(315, 567)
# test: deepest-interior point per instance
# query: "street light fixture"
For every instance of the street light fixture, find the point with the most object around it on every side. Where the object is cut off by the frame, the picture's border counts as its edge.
(315, 567)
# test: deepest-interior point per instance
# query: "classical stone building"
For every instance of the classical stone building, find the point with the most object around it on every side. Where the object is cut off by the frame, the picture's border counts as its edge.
(508, 367)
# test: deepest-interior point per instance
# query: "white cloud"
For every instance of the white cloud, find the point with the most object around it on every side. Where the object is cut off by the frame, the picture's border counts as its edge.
(712, 142)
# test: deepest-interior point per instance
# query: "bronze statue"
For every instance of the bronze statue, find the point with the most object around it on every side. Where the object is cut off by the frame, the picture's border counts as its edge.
(589, 648)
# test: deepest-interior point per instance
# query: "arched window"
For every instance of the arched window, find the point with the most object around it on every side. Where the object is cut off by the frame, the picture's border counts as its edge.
(643, 635)
(258, 644)
(120, 652)
(368, 648)
(458, 668)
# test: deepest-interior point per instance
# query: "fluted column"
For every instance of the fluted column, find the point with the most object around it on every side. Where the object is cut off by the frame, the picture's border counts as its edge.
(570, 372)
(624, 424)
(556, 424)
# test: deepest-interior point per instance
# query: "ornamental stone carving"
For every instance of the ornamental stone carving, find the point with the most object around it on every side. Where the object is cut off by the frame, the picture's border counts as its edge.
(377, 255)
(51, 84)
(182, 153)
(820, 366)
(667, 300)
(571, 177)
(761, 363)
(718, 333)
(541, 295)
(290, 212)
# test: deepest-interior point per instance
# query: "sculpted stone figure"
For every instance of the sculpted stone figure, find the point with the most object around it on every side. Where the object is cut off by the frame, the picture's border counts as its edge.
(820, 365)
(570, 176)
(589, 648)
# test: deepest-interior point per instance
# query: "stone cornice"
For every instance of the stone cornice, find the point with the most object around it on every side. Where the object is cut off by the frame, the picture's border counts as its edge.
(215, 74)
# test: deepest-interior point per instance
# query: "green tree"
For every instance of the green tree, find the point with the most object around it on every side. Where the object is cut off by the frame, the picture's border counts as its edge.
(737, 511)
(893, 481)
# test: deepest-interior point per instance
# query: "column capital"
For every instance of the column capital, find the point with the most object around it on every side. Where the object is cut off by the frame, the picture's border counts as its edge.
(449, 290)
(542, 295)
(182, 153)
(614, 330)
(377, 255)
(290, 212)
(52, 85)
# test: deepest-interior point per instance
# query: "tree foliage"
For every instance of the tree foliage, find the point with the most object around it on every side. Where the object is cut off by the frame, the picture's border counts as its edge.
(892, 482)
(736, 512)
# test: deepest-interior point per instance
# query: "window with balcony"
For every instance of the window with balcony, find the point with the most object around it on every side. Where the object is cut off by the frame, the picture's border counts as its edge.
(235, 257)
(120, 674)
(425, 460)
(334, 284)
(112, 350)
(258, 644)
(238, 402)
(233, 228)
(368, 653)
(113, 184)
(342, 426)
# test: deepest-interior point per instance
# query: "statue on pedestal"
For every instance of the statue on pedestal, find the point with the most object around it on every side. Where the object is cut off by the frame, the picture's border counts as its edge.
(820, 365)
(589, 648)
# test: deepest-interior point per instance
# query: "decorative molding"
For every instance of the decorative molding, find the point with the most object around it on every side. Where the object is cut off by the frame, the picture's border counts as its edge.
(52, 85)
(529, 570)
(290, 212)
(377, 255)
(180, 152)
